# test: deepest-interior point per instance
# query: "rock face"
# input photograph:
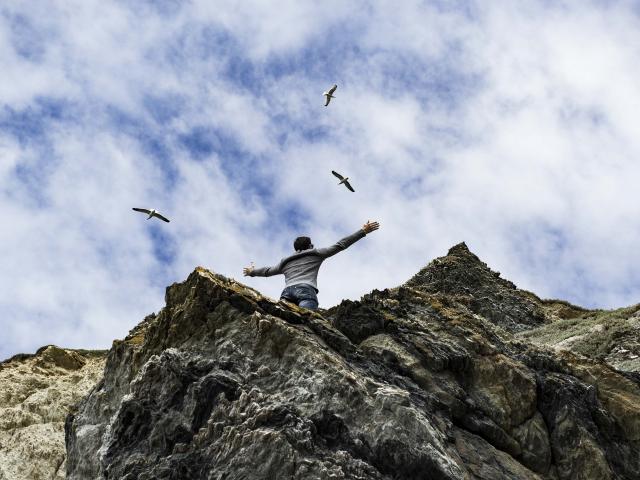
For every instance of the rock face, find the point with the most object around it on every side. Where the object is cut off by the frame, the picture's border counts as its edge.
(612, 336)
(461, 275)
(36, 394)
(426, 380)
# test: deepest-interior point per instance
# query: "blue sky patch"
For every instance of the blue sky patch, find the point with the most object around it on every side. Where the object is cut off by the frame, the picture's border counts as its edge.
(164, 245)
(164, 108)
(27, 41)
(31, 124)
(153, 141)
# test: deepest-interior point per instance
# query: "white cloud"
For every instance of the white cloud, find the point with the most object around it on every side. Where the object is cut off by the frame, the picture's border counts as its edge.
(511, 127)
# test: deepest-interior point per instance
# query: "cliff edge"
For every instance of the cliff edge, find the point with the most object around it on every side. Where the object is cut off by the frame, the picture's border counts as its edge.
(428, 380)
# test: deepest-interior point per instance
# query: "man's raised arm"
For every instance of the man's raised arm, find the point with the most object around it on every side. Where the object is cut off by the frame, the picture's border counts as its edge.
(251, 271)
(346, 242)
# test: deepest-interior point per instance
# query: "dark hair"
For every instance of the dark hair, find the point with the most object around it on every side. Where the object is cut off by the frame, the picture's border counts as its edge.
(302, 243)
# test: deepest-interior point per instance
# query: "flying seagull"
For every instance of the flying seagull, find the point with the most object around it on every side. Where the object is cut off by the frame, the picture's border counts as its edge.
(329, 94)
(151, 213)
(343, 180)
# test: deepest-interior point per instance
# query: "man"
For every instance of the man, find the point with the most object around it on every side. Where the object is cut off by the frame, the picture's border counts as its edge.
(301, 269)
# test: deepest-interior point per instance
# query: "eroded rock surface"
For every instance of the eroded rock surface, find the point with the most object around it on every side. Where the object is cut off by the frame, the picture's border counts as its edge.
(461, 275)
(422, 381)
(36, 394)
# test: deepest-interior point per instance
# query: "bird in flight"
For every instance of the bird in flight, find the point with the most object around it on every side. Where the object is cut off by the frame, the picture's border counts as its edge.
(151, 213)
(343, 180)
(329, 94)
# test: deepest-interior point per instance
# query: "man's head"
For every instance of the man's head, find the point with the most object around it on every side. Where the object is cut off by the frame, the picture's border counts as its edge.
(302, 243)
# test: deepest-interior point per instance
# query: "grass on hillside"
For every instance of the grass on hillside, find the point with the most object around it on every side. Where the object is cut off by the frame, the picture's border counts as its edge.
(595, 342)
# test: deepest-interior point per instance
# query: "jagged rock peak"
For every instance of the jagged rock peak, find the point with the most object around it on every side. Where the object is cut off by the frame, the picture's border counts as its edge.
(460, 249)
(461, 274)
(226, 383)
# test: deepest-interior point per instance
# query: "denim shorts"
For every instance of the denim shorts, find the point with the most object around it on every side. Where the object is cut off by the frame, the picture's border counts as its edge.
(302, 294)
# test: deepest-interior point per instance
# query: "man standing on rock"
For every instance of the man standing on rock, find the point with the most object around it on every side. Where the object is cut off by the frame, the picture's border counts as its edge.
(301, 269)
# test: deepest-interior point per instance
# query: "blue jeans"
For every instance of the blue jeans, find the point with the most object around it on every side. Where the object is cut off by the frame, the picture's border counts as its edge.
(302, 294)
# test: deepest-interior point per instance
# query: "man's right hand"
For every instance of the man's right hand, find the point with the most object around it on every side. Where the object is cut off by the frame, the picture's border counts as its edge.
(370, 226)
(247, 270)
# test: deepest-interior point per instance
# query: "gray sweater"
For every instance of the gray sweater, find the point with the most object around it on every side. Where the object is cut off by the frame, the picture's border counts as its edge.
(303, 266)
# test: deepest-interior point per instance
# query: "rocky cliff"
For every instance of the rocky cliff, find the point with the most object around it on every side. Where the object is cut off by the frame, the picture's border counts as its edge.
(36, 394)
(431, 380)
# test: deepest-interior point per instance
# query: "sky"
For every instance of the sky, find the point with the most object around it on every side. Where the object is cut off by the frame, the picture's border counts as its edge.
(512, 126)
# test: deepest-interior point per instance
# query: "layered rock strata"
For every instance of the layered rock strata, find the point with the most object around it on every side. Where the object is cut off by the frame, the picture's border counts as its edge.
(37, 392)
(426, 380)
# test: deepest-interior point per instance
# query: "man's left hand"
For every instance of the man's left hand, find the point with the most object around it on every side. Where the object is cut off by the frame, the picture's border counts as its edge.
(370, 226)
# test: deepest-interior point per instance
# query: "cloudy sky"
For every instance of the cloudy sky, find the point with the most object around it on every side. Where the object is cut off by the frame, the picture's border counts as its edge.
(513, 126)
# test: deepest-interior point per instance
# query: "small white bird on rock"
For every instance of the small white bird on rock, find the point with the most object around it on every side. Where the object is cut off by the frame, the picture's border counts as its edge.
(329, 94)
(151, 213)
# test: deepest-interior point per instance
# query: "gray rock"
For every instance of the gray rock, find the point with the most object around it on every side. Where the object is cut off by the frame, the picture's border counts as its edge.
(533, 438)
(408, 383)
(463, 275)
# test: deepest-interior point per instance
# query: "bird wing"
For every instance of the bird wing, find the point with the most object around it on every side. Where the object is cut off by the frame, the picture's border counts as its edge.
(332, 89)
(348, 185)
(143, 210)
(328, 100)
(337, 174)
(161, 217)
